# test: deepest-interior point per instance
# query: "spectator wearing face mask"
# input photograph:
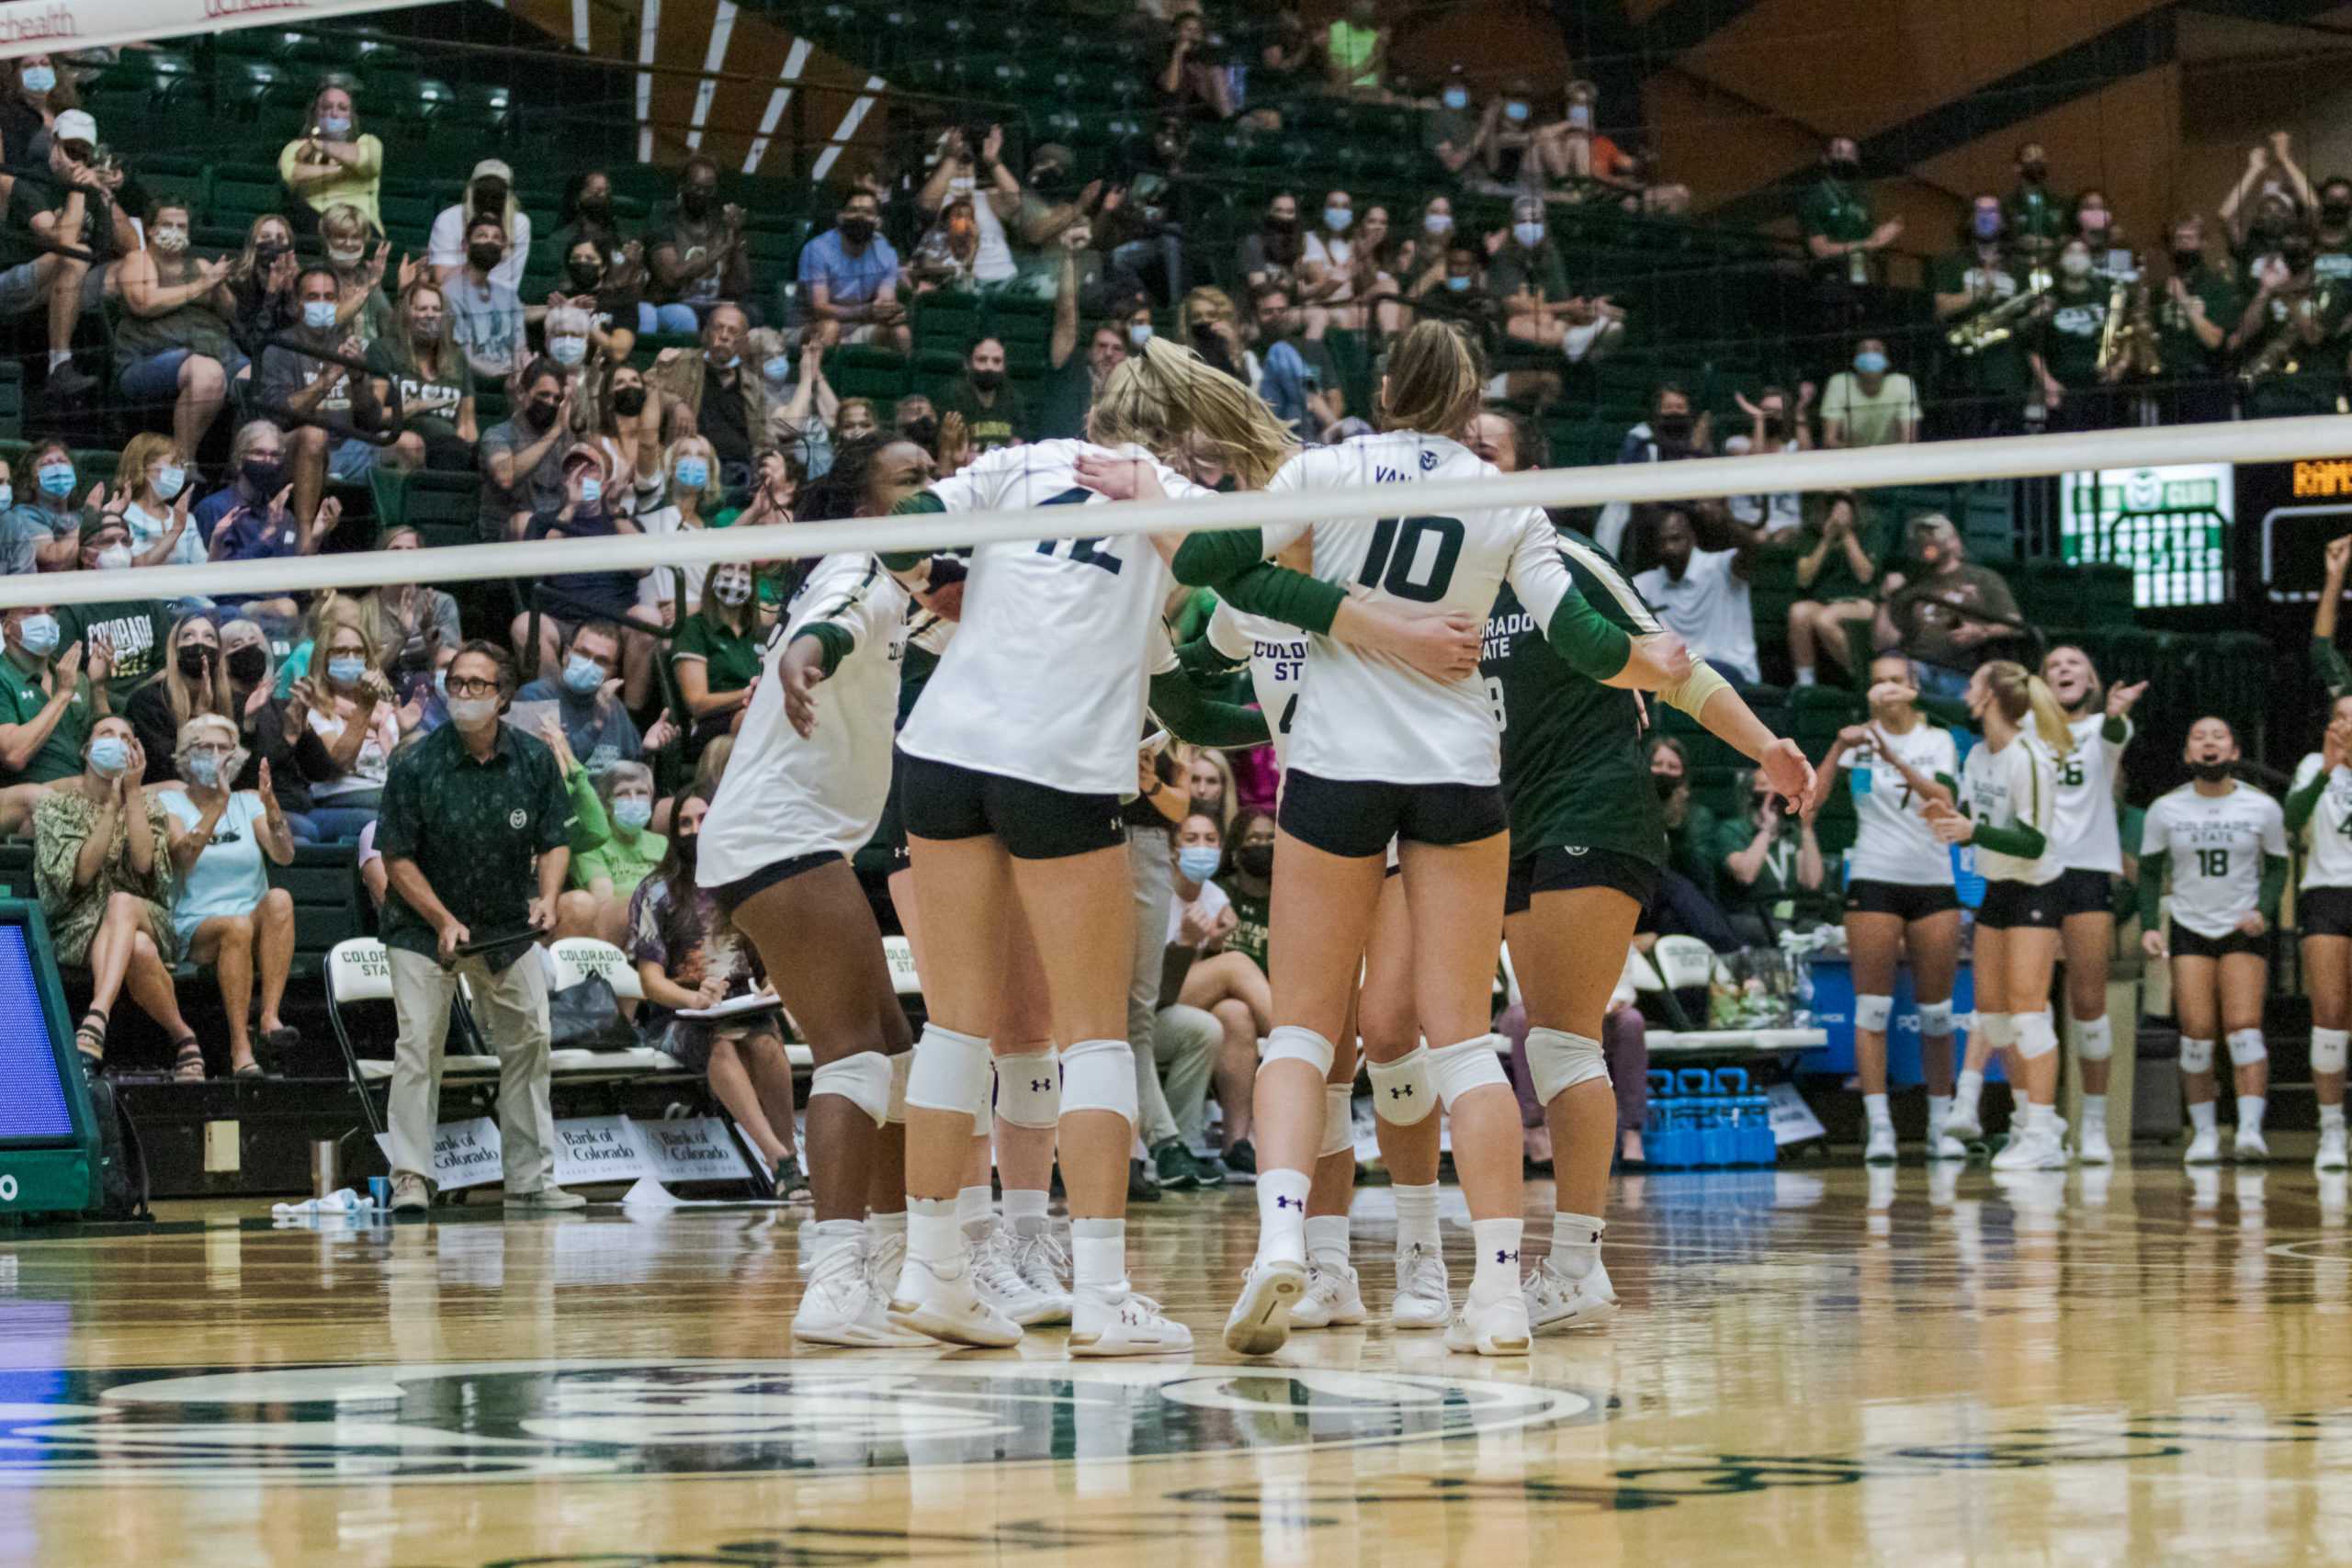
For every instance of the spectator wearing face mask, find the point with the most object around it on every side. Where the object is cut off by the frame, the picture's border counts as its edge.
(434, 384)
(261, 285)
(1944, 621)
(33, 93)
(193, 682)
(596, 726)
(263, 733)
(332, 162)
(2331, 232)
(1053, 202)
(300, 384)
(2270, 199)
(1870, 406)
(606, 872)
(1192, 80)
(2094, 225)
(613, 303)
(257, 523)
(680, 494)
(587, 218)
(363, 302)
(1505, 143)
(174, 344)
(611, 596)
(802, 405)
(1702, 594)
(948, 254)
(1841, 234)
(2199, 306)
(1767, 864)
(1327, 272)
(1527, 279)
(2063, 350)
(1576, 150)
(411, 622)
(695, 249)
(715, 656)
(522, 461)
(151, 471)
(89, 210)
(487, 321)
(576, 342)
(348, 705)
(2288, 340)
(48, 703)
(1272, 252)
(1296, 378)
(135, 630)
(490, 194)
(40, 531)
(1774, 427)
(1671, 433)
(1984, 392)
(992, 410)
(715, 395)
(1685, 903)
(849, 280)
(2035, 215)
(1450, 133)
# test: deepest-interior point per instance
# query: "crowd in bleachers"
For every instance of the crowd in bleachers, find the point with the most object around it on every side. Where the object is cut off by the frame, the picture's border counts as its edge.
(341, 353)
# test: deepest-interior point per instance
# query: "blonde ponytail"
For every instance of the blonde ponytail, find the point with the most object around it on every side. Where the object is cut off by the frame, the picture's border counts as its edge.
(1433, 385)
(2048, 719)
(2019, 695)
(1166, 398)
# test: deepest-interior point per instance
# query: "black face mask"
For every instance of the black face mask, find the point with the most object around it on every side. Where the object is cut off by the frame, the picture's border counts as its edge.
(1254, 860)
(586, 275)
(485, 257)
(1844, 168)
(1672, 426)
(2034, 174)
(2335, 214)
(857, 231)
(694, 201)
(248, 664)
(1281, 225)
(988, 380)
(540, 415)
(263, 478)
(1665, 784)
(2186, 261)
(597, 206)
(688, 846)
(922, 431)
(1049, 180)
(630, 400)
(2210, 773)
(2297, 257)
(1775, 428)
(194, 661)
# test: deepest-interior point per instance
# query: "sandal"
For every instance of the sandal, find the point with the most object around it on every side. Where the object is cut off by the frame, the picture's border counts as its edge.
(188, 1061)
(272, 1046)
(250, 1071)
(92, 1042)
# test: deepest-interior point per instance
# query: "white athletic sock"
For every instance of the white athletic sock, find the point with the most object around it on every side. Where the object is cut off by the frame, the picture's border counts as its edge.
(1025, 1210)
(2094, 1110)
(1098, 1255)
(1804, 675)
(1415, 1216)
(2250, 1110)
(2200, 1117)
(1498, 1244)
(830, 1236)
(1971, 1088)
(879, 1226)
(1875, 1107)
(2041, 1120)
(974, 1212)
(932, 1234)
(1326, 1239)
(2331, 1116)
(1938, 1112)
(1281, 1214)
(58, 356)
(1575, 1244)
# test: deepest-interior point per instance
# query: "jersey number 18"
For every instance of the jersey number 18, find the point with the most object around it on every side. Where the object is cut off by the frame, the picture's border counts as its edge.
(2213, 862)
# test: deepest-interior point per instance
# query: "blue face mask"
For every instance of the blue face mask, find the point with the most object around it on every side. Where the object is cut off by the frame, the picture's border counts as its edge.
(1199, 862)
(335, 124)
(592, 491)
(347, 669)
(1870, 363)
(318, 314)
(39, 634)
(692, 473)
(1455, 98)
(441, 683)
(169, 482)
(8, 497)
(203, 767)
(581, 675)
(1987, 224)
(778, 369)
(633, 813)
(110, 755)
(56, 480)
(39, 79)
(1515, 112)
(1459, 285)
(1337, 219)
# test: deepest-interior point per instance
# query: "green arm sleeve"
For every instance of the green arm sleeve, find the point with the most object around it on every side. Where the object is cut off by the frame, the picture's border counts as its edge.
(1949, 712)
(2115, 731)
(1207, 560)
(2329, 666)
(920, 502)
(2152, 887)
(590, 829)
(1592, 645)
(1192, 717)
(1203, 661)
(2300, 804)
(834, 643)
(2274, 884)
(1281, 594)
(2024, 842)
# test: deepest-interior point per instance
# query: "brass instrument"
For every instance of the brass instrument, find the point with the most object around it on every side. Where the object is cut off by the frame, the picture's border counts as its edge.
(1998, 323)
(2127, 340)
(2111, 333)
(2281, 354)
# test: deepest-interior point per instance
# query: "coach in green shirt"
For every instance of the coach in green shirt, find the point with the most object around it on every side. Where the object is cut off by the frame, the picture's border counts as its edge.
(475, 816)
(47, 705)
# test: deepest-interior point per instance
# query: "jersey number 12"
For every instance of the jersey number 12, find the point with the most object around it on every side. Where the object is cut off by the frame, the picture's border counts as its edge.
(1395, 553)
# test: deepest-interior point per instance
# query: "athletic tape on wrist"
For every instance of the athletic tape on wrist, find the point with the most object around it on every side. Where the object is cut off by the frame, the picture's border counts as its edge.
(2246, 1047)
(2196, 1056)
(1558, 1061)
(949, 1073)
(862, 1079)
(2329, 1049)
(1338, 1120)
(1466, 1065)
(1029, 1088)
(1870, 1012)
(1401, 1092)
(1290, 1042)
(1100, 1075)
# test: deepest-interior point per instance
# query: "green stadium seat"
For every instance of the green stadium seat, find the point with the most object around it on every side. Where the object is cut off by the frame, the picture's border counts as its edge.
(862, 372)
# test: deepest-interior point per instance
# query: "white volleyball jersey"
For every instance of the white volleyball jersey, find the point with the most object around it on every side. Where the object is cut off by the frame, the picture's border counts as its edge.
(2328, 837)
(782, 797)
(1892, 839)
(2014, 787)
(1277, 655)
(2084, 836)
(1046, 678)
(2217, 844)
(1361, 716)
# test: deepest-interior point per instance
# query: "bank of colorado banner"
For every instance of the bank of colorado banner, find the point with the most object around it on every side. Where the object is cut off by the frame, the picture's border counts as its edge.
(37, 27)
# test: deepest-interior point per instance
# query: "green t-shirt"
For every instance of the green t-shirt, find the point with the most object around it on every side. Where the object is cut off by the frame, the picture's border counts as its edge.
(1518, 270)
(1776, 880)
(1064, 398)
(1573, 775)
(2068, 339)
(2176, 343)
(1004, 423)
(22, 699)
(733, 659)
(1352, 48)
(627, 863)
(2032, 212)
(1835, 580)
(1837, 213)
(1999, 369)
(1252, 914)
(1690, 847)
(429, 400)
(137, 629)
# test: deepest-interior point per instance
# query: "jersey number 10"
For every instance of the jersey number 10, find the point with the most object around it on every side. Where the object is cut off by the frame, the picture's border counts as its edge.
(1395, 554)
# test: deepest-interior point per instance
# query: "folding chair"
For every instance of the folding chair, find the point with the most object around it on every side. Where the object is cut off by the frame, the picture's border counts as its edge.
(358, 971)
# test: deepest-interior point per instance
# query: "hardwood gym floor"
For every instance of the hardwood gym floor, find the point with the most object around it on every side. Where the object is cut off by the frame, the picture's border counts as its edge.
(1814, 1366)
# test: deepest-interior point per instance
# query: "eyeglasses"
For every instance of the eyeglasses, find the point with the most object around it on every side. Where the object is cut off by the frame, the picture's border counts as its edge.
(465, 688)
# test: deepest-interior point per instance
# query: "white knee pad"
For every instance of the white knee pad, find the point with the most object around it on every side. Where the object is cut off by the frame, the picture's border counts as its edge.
(2196, 1056)
(1465, 1064)
(1999, 1029)
(1559, 1061)
(864, 1080)
(1935, 1019)
(2328, 1050)
(1100, 1075)
(2246, 1047)
(1338, 1120)
(2095, 1039)
(2037, 1034)
(1870, 1012)
(1401, 1092)
(1289, 1043)
(949, 1073)
(1029, 1088)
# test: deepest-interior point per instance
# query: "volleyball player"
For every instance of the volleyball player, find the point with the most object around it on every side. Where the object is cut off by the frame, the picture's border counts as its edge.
(2084, 841)
(2319, 809)
(1380, 753)
(2008, 789)
(1900, 900)
(2225, 843)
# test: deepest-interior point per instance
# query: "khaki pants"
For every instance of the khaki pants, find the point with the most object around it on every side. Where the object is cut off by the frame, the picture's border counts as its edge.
(512, 1005)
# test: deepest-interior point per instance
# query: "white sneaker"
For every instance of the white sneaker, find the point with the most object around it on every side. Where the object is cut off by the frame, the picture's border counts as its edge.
(1044, 1266)
(885, 1255)
(2205, 1148)
(1121, 1322)
(1497, 1327)
(2248, 1147)
(1964, 1122)
(1424, 1297)
(1557, 1304)
(2331, 1156)
(997, 1274)
(2091, 1146)
(841, 1307)
(1334, 1299)
(945, 1301)
(1880, 1149)
(1942, 1145)
(410, 1194)
(2032, 1151)
(1260, 1322)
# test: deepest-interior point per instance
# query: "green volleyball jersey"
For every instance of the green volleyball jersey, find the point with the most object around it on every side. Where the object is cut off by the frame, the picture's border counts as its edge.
(1573, 773)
